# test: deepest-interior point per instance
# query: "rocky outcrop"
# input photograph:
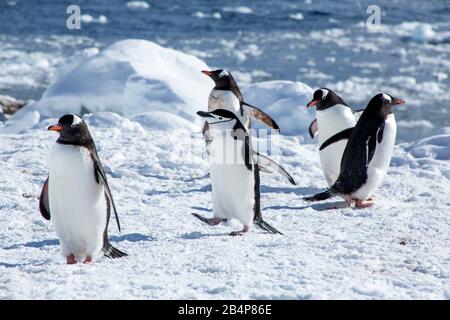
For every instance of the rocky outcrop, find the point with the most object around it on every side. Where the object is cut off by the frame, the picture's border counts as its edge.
(9, 105)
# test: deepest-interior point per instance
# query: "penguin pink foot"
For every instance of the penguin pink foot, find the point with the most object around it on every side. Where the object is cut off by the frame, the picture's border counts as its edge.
(364, 203)
(71, 259)
(210, 221)
(88, 260)
(240, 233)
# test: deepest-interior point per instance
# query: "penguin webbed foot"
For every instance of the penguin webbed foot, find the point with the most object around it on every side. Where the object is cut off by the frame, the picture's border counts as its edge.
(209, 221)
(361, 204)
(88, 260)
(240, 233)
(364, 203)
(71, 259)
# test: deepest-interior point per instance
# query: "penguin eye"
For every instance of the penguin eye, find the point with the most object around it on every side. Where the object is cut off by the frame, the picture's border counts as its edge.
(220, 118)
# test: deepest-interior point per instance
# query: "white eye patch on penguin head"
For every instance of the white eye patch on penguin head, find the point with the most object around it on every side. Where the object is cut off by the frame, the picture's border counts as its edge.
(76, 120)
(319, 98)
(72, 129)
(386, 98)
(383, 103)
(324, 93)
(223, 73)
(222, 78)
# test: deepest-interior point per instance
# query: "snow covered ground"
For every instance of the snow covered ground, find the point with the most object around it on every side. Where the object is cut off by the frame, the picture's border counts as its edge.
(400, 248)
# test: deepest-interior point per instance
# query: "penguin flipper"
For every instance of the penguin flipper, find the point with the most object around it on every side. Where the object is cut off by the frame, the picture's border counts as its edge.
(44, 206)
(358, 113)
(268, 165)
(260, 115)
(108, 250)
(246, 152)
(344, 134)
(100, 177)
(313, 129)
(371, 146)
(321, 196)
(372, 142)
(380, 132)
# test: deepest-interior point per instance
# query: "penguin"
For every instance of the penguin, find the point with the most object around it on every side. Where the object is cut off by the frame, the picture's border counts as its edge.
(227, 95)
(234, 172)
(367, 154)
(76, 195)
(332, 116)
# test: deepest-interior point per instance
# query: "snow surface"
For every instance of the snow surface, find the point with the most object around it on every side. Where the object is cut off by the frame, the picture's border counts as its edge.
(137, 91)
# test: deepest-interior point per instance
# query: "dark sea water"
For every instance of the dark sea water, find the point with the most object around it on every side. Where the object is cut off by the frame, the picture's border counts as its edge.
(321, 43)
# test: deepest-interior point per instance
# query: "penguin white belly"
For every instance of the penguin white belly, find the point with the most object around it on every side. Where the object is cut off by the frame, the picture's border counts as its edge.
(77, 202)
(232, 183)
(331, 121)
(379, 164)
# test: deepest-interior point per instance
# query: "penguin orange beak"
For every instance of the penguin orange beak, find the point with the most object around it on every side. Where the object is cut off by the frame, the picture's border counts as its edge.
(312, 103)
(208, 73)
(56, 127)
(399, 101)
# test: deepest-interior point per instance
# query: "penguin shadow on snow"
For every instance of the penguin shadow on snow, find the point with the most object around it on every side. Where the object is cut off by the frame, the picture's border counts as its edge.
(197, 235)
(15, 265)
(201, 209)
(205, 188)
(301, 191)
(131, 237)
(35, 244)
(317, 207)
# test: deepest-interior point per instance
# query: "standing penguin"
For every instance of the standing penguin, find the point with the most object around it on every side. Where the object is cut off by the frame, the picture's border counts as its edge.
(367, 155)
(227, 96)
(333, 115)
(234, 172)
(76, 195)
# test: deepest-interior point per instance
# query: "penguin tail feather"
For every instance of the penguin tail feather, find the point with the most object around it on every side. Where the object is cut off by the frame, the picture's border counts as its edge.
(266, 227)
(112, 252)
(321, 196)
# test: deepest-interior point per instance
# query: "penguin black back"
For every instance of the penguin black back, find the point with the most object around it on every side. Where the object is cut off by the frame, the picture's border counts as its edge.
(361, 143)
(224, 80)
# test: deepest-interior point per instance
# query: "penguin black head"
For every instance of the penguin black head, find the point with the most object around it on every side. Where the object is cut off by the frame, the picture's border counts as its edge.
(382, 103)
(72, 130)
(324, 98)
(224, 80)
(218, 116)
(223, 120)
